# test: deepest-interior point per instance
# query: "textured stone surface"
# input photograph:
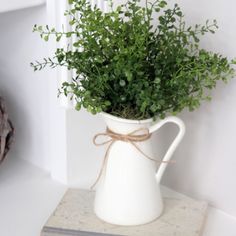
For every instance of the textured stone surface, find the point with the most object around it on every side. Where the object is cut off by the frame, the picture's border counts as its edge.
(74, 215)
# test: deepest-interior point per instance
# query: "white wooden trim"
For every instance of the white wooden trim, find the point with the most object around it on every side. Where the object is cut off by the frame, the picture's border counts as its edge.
(58, 129)
(12, 5)
(56, 11)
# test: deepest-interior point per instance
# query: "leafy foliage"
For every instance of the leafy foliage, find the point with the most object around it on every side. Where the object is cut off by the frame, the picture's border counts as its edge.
(128, 67)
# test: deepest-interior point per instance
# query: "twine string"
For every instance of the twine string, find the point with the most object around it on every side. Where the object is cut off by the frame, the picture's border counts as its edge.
(131, 138)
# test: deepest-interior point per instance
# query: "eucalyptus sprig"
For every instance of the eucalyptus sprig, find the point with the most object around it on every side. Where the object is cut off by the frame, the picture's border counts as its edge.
(136, 62)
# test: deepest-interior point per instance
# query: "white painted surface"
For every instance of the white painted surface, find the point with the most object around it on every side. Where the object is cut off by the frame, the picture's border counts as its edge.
(57, 116)
(206, 160)
(219, 224)
(28, 196)
(84, 159)
(28, 94)
(11, 5)
(129, 175)
(40, 125)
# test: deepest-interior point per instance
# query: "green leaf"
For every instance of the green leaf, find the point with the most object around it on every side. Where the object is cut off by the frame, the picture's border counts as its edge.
(72, 22)
(68, 34)
(122, 83)
(58, 37)
(46, 38)
(162, 4)
(78, 106)
(128, 75)
(179, 13)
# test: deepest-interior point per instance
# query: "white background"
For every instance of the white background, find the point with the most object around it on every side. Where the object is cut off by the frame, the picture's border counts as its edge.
(206, 160)
(27, 93)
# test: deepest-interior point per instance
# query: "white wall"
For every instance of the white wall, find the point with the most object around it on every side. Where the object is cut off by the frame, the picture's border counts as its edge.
(84, 159)
(206, 159)
(28, 94)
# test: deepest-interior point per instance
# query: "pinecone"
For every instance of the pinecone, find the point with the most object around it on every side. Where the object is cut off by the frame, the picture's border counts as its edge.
(6, 131)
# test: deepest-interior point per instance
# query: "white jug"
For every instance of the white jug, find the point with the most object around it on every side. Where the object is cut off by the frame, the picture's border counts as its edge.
(128, 190)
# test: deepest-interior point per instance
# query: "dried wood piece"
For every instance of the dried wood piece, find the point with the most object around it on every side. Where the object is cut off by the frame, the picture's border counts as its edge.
(6, 131)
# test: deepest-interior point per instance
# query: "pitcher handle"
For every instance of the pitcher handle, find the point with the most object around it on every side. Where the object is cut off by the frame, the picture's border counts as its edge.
(174, 144)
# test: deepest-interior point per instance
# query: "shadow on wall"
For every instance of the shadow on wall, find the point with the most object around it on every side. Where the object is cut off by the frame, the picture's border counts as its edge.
(205, 166)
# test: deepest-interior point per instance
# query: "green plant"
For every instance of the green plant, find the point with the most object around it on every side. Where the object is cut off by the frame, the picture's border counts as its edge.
(136, 62)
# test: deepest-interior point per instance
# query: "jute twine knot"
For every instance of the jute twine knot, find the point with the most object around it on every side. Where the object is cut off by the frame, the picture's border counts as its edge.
(131, 138)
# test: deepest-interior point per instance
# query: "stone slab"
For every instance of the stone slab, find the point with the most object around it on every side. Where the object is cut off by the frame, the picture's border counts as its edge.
(74, 216)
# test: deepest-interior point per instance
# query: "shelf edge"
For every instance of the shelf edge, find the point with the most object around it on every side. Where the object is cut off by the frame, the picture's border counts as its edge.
(23, 6)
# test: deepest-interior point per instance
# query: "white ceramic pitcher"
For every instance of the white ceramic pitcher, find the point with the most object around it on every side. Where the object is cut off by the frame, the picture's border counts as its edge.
(128, 192)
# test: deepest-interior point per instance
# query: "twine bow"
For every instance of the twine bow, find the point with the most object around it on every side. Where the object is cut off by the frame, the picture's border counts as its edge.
(131, 138)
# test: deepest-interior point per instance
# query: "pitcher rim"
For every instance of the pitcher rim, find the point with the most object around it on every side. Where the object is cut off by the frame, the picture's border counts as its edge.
(119, 119)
